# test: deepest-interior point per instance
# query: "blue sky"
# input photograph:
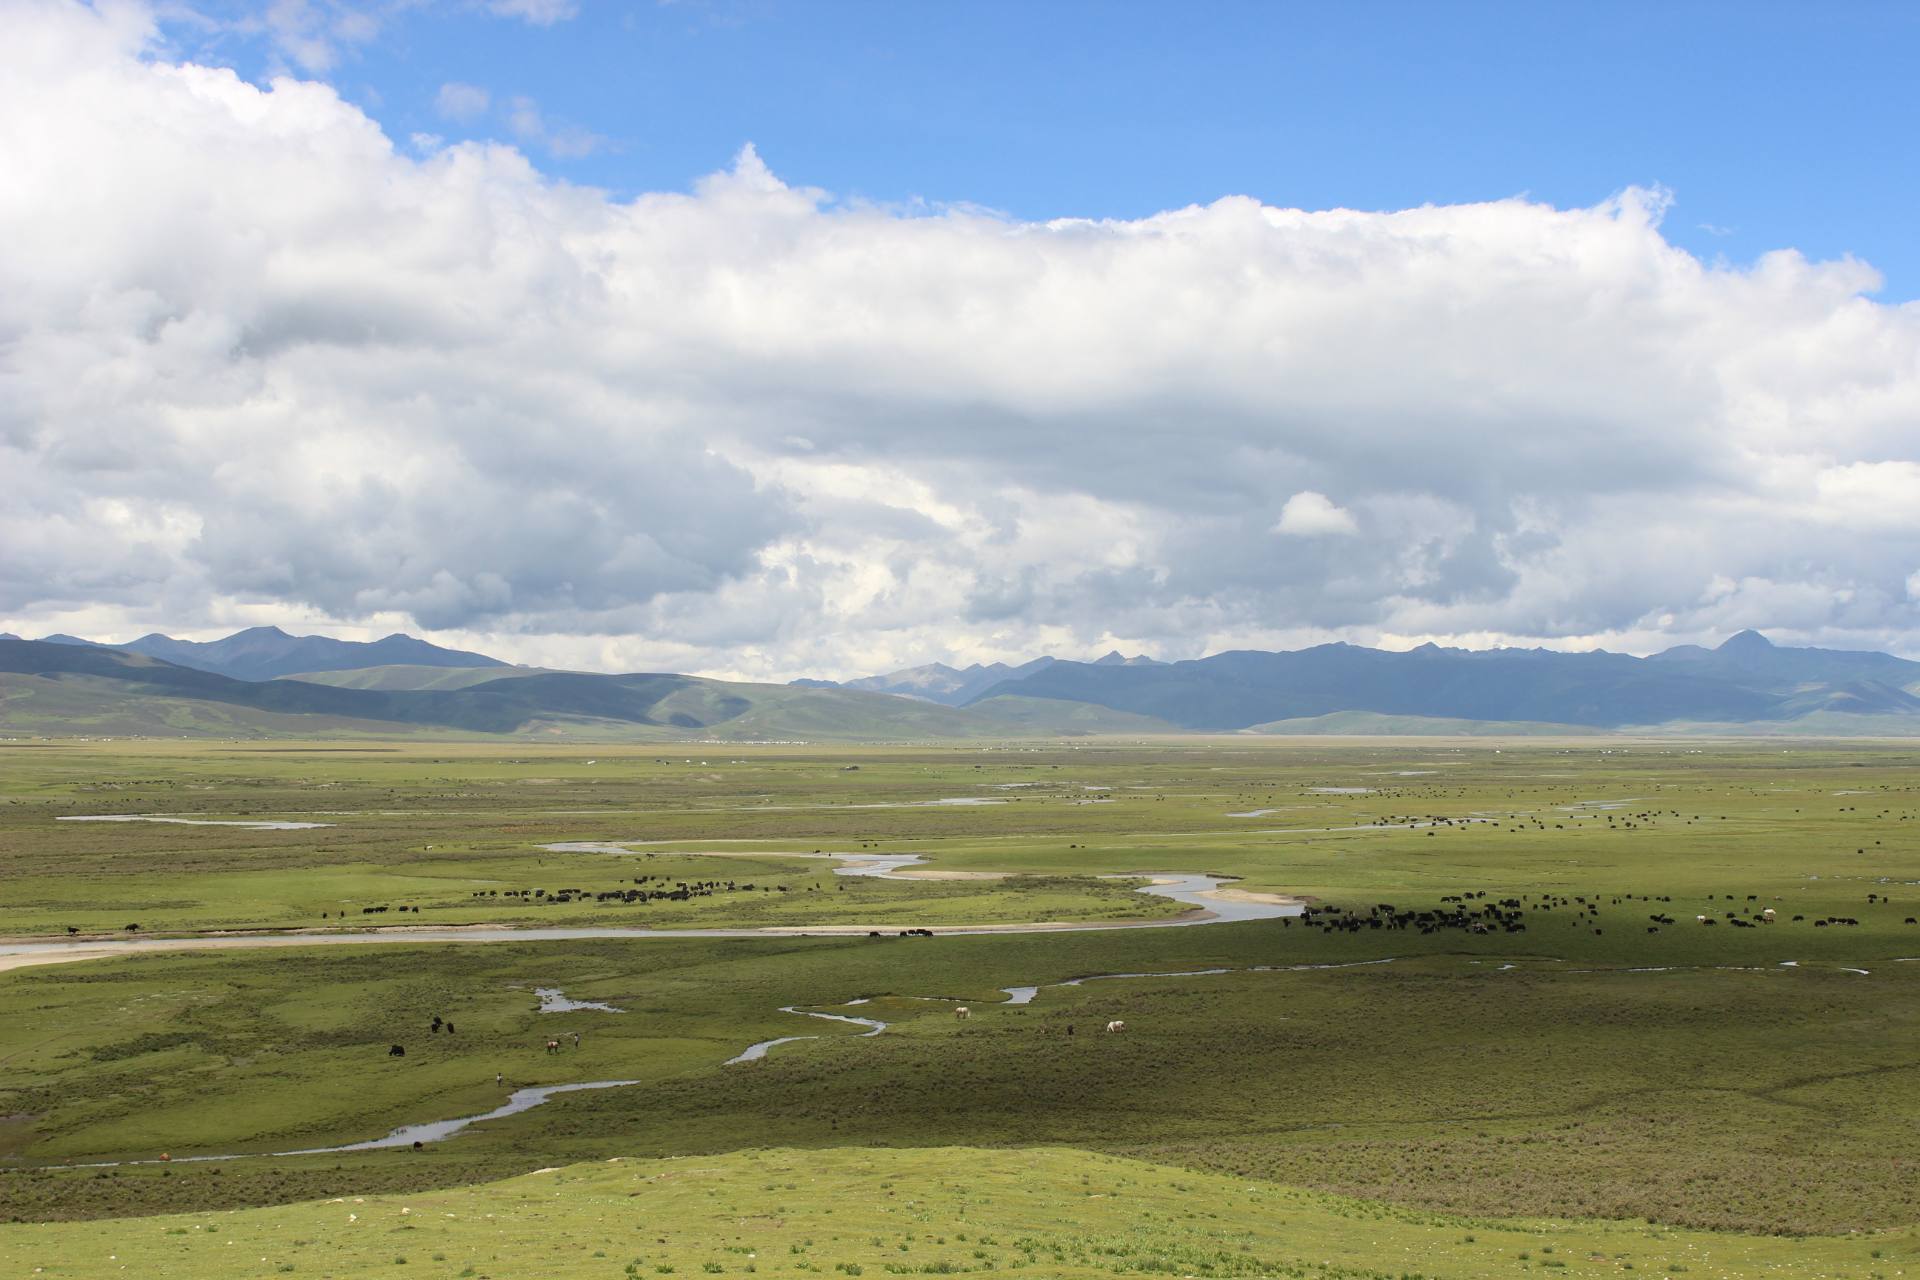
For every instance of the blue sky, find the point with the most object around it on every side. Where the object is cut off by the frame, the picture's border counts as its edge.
(1773, 125)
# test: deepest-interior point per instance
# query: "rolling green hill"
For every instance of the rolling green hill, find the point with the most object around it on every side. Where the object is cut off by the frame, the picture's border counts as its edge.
(933, 1211)
(90, 706)
(56, 689)
(1058, 716)
(407, 676)
(1371, 723)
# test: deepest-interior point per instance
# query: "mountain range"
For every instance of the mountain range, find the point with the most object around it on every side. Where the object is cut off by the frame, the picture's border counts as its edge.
(55, 689)
(267, 653)
(264, 681)
(956, 687)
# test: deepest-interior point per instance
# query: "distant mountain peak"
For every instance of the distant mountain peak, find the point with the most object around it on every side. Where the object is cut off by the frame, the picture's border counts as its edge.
(1748, 641)
(935, 681)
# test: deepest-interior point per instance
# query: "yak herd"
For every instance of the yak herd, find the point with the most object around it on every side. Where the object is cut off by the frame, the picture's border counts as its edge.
(1470, 913)
(645, 891)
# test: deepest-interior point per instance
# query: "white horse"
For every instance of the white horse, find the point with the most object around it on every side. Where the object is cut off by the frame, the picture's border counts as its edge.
(1116, 1027)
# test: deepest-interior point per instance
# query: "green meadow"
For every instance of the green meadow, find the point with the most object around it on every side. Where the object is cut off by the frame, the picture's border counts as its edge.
(927, 1211)
(1575, 1085)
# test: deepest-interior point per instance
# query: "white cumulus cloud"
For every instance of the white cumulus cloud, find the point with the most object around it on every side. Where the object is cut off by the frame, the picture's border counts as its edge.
(1308, 515)
(257, 362)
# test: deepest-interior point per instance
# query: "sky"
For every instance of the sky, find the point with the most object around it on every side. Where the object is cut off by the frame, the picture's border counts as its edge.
(764, 340)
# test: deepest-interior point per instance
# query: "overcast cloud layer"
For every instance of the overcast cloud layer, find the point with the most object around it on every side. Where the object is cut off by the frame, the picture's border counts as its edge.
(261, 363)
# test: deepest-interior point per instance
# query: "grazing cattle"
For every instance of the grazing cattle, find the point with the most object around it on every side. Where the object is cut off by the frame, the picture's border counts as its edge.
(963, 1013)
(1115, 1027)
(1767, 914)
(397, 1051)
(553, 1046)
(1700, 919)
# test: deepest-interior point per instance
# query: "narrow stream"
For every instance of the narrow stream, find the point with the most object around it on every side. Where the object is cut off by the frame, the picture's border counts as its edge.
(1185, 889)
(755, 1052)
(526, 1099)
(554, 1000)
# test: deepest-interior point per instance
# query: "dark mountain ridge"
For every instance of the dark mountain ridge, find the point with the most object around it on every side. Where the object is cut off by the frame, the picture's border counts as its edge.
(958, 686)
(66, 685)
(1748, 679)
(268, 653)
(71, 684)
(495, 707)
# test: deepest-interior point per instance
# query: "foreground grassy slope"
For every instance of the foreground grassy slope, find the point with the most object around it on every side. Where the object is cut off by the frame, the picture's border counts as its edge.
(935, 1211)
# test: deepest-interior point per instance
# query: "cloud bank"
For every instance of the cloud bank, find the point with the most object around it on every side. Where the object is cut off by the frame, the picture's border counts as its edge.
(257, 362)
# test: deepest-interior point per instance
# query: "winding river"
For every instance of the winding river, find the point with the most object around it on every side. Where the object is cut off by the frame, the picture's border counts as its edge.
(419, 1135)
(1211, 903)
(551, 1000)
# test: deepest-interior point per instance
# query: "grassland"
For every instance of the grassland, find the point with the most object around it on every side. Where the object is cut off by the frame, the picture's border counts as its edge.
(873, 1213)
(1597, 1067)
(1814, 830)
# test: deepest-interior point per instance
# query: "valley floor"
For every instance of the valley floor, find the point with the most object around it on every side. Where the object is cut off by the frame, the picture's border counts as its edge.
(1502, 1007)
